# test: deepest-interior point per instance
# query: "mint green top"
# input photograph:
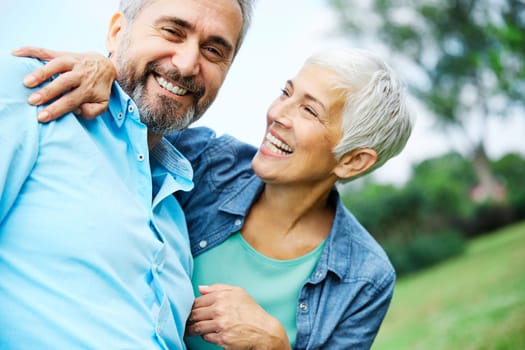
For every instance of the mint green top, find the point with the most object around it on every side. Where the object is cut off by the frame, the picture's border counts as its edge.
(274, 284)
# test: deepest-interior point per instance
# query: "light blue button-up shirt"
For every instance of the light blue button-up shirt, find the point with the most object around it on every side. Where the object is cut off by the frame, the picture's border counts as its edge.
(94, 252)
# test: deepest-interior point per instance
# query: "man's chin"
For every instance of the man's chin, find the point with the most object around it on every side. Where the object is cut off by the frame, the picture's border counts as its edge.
(167, 124)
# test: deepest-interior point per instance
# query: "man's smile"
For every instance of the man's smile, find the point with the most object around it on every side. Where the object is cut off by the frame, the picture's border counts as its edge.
(174, 89)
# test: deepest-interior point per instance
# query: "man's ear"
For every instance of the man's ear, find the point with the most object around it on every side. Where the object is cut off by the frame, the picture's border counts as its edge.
(355, 162)
(116, 26)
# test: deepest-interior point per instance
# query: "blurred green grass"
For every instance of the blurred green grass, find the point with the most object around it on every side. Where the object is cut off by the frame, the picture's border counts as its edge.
(474, 301)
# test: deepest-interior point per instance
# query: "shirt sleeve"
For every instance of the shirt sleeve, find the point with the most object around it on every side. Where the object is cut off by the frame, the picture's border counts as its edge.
(361, 324)
(19, 129)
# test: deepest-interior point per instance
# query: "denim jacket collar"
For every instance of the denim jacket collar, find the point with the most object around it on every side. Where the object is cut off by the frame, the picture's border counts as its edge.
(241, 199)
(338, 247)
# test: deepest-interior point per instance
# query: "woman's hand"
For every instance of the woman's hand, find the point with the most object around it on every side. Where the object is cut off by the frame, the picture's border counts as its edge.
(83, 86)
(228, 317)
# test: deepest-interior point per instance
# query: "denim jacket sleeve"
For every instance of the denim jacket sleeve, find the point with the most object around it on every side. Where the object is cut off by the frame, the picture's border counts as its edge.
(361, 321)
(217, 161)
(222, 167)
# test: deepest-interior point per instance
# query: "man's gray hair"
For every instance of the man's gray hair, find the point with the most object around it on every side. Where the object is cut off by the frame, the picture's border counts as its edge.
(131, 9)
(374, 114)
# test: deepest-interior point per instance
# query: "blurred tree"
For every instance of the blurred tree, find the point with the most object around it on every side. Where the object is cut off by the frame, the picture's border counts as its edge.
(468, 55)
(511, 168)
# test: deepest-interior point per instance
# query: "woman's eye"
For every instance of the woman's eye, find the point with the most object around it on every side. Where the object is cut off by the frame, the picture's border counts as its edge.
(285, 92)
(312, 111)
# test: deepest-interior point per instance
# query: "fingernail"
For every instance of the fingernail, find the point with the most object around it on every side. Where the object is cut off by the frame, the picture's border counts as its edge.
(29, 80)
(43, 116)
(34, 98)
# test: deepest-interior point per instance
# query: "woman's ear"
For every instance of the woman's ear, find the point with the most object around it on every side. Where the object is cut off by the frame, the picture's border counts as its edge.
(355, 162)
(116, 25)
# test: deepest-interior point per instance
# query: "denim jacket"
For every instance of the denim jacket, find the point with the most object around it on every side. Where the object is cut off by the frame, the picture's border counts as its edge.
(343, 303)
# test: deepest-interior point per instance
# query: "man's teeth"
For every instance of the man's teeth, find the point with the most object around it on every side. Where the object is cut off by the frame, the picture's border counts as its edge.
(276, 145)
(170, 87)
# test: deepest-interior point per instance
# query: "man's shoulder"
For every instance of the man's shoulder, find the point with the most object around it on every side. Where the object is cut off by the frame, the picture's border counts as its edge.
(202, 142)
(18, 65)
(13, 70)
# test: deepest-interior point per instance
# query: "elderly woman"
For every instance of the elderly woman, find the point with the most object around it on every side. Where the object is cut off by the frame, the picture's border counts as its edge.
(268, 223)
(278, 259)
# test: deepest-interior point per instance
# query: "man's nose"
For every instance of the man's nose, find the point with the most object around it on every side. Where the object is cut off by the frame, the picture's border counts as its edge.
(187, 59)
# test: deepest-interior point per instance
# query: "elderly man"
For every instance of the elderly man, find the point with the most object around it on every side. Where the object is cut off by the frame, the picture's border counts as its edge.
(94, 250)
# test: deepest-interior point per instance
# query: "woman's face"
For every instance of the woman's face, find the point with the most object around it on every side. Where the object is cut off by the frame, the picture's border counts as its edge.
(303, 126)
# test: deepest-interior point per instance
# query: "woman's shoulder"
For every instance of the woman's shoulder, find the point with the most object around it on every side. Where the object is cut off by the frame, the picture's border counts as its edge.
(367, 258)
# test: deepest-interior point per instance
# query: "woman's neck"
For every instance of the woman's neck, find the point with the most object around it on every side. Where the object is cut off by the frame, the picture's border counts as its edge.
(287, 222)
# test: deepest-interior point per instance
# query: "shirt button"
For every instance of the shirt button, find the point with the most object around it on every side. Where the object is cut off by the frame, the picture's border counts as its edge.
(238, 222)
(131, 109)
(140, 157)
(318, 274)
(120, 116)
(158, 329)
(203, 244)
(303, 307)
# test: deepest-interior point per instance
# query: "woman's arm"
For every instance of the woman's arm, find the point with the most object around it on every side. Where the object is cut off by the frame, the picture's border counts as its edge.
(361, 322)
(82, 83)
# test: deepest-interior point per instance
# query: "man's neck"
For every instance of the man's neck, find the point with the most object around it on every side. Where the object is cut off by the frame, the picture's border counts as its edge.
(153, 139)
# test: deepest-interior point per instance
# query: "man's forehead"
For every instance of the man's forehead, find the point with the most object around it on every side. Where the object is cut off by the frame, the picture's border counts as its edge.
(215, 18)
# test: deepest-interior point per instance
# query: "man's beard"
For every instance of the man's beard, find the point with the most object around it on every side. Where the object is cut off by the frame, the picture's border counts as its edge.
(160, 113)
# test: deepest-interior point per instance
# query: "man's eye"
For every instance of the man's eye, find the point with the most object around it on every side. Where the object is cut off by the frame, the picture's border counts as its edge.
(285, 92)
(172, 31)
(213, 54)
(214, 51)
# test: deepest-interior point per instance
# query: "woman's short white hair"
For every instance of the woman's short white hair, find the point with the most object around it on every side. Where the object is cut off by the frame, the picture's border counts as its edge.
(374, 114)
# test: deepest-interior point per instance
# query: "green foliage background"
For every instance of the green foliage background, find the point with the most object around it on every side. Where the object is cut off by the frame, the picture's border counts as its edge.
(474, 301)
(430, 217)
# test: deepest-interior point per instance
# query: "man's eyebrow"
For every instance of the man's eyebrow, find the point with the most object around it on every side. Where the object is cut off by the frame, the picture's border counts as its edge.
(217, 39)
(175, 20)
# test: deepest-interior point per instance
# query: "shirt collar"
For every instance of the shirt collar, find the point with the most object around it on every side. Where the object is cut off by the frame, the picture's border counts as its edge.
(173, 162)
(121, 105)
(241, 200)
(339, 243)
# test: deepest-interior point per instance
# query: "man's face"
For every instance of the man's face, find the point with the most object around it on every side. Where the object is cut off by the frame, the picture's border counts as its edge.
(174, 56)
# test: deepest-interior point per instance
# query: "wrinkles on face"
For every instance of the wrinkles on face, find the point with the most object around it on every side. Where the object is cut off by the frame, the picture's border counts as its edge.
(160, 113)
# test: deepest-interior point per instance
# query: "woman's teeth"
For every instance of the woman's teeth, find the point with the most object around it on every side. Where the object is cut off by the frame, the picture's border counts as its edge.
(170, 87)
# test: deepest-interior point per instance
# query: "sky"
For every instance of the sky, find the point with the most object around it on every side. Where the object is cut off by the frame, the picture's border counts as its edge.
(283, 34)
